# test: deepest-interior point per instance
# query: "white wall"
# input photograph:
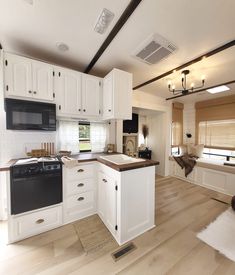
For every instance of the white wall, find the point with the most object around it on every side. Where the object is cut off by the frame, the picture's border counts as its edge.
(157, 140)
(161, 126)
(189, 123)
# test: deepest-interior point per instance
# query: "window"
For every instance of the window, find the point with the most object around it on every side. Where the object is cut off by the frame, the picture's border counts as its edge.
(176, 127)
(176, 133)
(84, 137)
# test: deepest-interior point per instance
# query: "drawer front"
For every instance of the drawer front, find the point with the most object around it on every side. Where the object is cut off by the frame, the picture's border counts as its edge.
(79, 186)
(79, 172)
(80, 200)
(77, 208)
(37, 222)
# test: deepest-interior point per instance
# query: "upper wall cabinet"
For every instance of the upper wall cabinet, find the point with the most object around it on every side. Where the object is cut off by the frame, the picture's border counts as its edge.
(117, 95)
(27, 78)
(76, 94)
(68, 92)
(91, 94)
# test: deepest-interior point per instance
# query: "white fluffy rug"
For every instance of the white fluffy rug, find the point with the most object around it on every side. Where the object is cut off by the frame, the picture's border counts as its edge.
(220, 234)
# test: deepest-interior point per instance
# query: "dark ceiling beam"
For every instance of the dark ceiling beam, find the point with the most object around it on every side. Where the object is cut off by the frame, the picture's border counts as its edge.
(201, 90)
(120, 23)
(189, 63)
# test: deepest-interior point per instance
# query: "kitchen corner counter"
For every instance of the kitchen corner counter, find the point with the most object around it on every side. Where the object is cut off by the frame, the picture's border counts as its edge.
(129, 166)
(84, 157)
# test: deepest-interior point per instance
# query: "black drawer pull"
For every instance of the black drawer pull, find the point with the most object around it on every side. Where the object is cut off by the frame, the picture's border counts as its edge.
(80, 185)
(80, 198)
(80, 170)
(104, 180)
(35, 92)
(109, 110)
(40, 221)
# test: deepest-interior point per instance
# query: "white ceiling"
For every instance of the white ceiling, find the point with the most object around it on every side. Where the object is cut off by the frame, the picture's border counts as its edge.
(195, 27)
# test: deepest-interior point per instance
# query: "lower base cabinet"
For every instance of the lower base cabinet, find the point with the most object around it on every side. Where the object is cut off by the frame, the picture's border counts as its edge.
(126, 201)
(26, 225)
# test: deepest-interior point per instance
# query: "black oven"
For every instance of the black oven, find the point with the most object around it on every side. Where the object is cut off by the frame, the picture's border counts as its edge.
(30, 115)
(35, 185)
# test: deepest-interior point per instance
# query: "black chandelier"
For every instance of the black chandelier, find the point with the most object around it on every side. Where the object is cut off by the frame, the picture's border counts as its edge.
(185, 90)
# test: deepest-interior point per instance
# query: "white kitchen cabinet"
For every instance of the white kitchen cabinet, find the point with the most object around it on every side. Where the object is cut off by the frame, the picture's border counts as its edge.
(91, 94)
(76, 94)
(68, 92)
(17, 76)
(126, 201)
(107, 203)
(35, 222)
(43, 74)
(117, 95)
(79, 192)
(27, 78)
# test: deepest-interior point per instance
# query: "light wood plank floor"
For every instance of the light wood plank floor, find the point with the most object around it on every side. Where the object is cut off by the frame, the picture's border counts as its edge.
(85, 247)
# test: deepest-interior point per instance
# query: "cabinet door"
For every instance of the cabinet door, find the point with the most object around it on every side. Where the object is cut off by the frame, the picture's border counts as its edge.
(90, 95)
(68, 92)
(42, 80)
(111, 204)
(108, 96)
(17, 76)
(101, 196)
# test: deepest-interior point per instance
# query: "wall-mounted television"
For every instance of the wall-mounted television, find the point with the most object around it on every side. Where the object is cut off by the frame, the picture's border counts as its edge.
(131, 126)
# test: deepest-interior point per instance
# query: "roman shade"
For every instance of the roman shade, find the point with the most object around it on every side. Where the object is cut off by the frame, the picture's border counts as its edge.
(215, 123)
(177, 124)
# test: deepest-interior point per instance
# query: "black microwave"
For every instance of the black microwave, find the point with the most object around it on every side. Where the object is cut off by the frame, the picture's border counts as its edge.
(30, 115)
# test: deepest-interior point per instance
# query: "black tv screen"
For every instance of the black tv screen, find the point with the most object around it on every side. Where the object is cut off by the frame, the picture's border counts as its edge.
(131, 126)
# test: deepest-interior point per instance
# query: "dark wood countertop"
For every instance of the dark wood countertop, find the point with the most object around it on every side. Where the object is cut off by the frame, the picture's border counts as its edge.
(96, 157)
(129, 166)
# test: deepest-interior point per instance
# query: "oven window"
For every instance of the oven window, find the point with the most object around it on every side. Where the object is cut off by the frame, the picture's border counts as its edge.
(21, 118)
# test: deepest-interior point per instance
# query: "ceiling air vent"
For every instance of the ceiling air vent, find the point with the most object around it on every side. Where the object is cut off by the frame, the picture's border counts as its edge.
(154, 49)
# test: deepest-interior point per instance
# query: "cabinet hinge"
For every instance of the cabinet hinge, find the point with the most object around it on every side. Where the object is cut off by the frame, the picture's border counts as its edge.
(116, 187)
(53, 73)
(53, 95)
(6, 62)
(116, 227)
(6, 87)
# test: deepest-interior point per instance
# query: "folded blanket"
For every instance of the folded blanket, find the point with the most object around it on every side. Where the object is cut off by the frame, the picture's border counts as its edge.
(69, 162)
(186, 162)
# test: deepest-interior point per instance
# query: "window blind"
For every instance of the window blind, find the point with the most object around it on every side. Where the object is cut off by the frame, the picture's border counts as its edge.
(218, 134)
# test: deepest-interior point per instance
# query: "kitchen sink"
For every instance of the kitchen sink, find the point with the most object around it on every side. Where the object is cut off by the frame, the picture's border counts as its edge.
(121, 159)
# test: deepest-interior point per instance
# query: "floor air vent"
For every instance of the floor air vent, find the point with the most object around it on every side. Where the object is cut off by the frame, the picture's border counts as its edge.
(123, 251)
(154, 49)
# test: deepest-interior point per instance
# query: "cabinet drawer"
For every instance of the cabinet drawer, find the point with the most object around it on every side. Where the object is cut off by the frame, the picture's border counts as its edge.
(76, 209)
(79, 172)
(80, 200)
(37, 222)
(79, 186)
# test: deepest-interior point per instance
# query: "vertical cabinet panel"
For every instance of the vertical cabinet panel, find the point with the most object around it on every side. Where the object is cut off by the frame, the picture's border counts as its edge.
(68, 92)
(108, 96)
(107, 203)
(18, 76)
(90, 95)
(42, 80)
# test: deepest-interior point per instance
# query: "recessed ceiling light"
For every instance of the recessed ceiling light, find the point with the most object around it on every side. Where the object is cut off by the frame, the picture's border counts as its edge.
(103, 21)
(218, 89)
(62, 47)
